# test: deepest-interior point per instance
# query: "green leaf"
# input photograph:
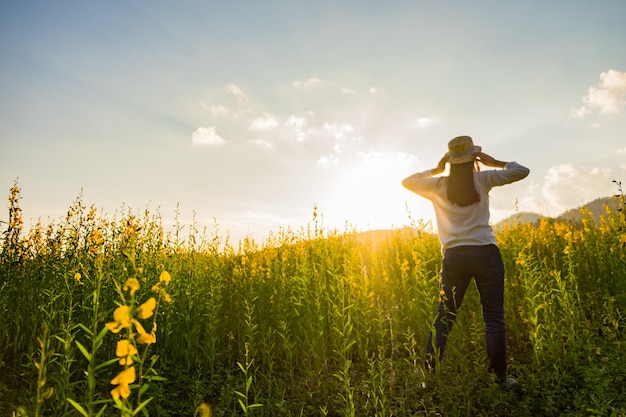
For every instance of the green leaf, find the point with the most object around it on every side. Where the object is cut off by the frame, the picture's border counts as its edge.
(154, 378)
(144, 388)
(82, 349)
(102, 333)
(243, 406)
(101, 412)
(60, 339)
(78, 407)
(105, 364)
(85, 329)
(141, 406)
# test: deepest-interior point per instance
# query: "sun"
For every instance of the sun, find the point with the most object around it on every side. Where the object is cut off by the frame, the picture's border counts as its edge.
(369, 195)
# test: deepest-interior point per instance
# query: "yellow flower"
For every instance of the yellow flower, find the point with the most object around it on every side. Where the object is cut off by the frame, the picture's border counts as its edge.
(124, 351)
(96, 237)
(203, 410)
(166, 296)
(132, 285)
(121, 317)
(77, 277)
(144, 337)
(146, 309)
(122, 380)
(165, 277)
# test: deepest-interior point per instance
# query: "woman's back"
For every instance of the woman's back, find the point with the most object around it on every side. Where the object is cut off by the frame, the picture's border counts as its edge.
(464, 225)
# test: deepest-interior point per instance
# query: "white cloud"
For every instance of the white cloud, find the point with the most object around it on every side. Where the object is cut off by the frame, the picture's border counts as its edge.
(218, 110)
(328, 160)
(570, 186)
(371, 91)
(236, 91)
(261, 143)
(264, 122)
(606, 98)
(215, 109)
(299, 125)
(206, 136)
(308, 84)
(296, 122)
(622, 151)
(339, 130)
(424, 122)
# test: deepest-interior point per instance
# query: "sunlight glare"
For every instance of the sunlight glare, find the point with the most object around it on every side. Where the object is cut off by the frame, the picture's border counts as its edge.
(370, 195)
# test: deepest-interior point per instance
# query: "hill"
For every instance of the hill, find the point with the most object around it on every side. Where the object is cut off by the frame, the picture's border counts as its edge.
(597, 208)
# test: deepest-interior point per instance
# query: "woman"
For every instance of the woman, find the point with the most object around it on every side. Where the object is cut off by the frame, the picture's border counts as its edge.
(468, 244)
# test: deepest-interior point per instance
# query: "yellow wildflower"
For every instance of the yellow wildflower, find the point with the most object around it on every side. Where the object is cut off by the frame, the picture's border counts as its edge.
(124, 351)
(131, 285)
(203, 410)
(122, 380)
(96, 238)
(165, 277)
(121, 319)
(166, 296)
(146, 309)
(144, 337)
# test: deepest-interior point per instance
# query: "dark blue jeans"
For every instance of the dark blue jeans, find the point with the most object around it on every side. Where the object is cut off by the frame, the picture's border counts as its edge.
(459, 266)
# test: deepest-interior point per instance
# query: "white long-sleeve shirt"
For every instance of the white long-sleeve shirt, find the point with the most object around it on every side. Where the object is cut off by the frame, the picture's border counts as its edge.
(469, 225)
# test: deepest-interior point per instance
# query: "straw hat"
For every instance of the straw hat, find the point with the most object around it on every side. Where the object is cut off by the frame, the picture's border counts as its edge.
(461, 149)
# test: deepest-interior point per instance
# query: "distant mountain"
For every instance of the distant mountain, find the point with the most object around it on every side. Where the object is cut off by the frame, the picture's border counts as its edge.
(596, 207)
(519, 218)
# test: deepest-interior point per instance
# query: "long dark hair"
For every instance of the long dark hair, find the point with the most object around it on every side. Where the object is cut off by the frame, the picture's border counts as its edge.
(461, 188)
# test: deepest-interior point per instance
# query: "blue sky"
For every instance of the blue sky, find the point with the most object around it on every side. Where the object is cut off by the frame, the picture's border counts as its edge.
(249, 113)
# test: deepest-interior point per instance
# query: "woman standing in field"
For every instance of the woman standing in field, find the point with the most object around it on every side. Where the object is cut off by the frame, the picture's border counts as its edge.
(468, 244)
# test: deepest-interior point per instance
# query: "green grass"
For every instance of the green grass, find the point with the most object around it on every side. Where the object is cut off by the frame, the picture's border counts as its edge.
(307, 323)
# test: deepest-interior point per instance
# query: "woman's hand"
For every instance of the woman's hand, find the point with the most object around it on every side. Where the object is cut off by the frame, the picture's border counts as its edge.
(441, 166)
(488, 160)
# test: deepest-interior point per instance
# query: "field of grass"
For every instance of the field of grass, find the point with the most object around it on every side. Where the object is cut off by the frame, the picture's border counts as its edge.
(115, 316)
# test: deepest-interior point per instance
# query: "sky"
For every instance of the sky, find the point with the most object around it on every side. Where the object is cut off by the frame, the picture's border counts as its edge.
(249, 116)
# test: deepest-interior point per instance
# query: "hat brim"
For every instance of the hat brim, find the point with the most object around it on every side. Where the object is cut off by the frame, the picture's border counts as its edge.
(463, 157)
